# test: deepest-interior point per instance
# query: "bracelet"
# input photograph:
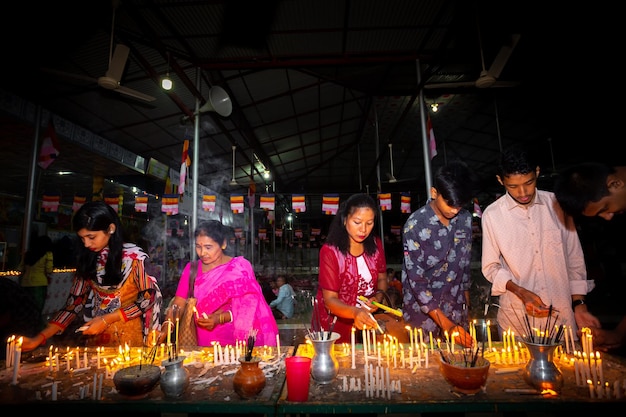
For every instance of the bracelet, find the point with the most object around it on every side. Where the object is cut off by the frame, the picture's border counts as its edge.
(221, 318)
(104, 321)
(45, 339)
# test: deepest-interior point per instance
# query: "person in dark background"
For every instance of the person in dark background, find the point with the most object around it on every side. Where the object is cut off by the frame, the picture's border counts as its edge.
(19, 313)
(595, 189)
(37, 266)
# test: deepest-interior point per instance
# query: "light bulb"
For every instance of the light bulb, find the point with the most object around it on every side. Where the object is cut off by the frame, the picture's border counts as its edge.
(166, 83)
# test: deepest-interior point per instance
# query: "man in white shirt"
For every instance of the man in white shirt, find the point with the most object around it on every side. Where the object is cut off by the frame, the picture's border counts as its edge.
(283, 305)
(532, 255)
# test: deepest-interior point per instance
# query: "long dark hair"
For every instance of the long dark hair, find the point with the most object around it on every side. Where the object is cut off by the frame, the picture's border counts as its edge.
(40, 246)
(337, 234)
(98, 216)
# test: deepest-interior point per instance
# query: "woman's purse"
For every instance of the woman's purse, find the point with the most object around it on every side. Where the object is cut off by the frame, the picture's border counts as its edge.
(187, 332)
(390, 323)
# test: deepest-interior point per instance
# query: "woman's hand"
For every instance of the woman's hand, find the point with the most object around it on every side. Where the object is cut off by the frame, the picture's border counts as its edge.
(32, 343)
(364, 319)
(96, 326)
(208, 322)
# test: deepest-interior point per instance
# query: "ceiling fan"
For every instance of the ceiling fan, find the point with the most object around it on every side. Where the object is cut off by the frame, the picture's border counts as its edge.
(118, 56)
(488, 77)
(233, 182)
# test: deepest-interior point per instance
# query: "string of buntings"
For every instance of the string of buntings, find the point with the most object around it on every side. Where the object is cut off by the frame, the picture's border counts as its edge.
(113, 201)
(385, 201)
(141, 203)
(298, 233)
(268, 202)
(238, 232)
(405, 202)
(315, 231)
(78, 202)
(169, 204)
(236, 203)
(330, 204)
(278, 232)
(208, 202)
(51, 202)
(395, 230)
(263, 234)
(184, 166)
(297, 203)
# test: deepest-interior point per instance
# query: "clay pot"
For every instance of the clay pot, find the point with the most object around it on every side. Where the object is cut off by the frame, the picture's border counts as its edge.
(466, 379)
(249, 379)
(136, 381)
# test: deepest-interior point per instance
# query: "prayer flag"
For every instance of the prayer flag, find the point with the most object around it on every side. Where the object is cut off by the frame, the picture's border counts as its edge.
(169, 204)
(236, 203)
(263, 234)
(385, 201)
(141, 203)
(79, 200)
(49, 150)
(297, 203)
(268, 202)
(395, 230)
(330, 203)
(186, 162)
(51, 202)
(208, 202)
(405, 202)
(113, 201)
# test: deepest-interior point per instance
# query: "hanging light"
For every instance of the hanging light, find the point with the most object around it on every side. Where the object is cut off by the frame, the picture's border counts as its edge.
(166, 82)
(434, 107)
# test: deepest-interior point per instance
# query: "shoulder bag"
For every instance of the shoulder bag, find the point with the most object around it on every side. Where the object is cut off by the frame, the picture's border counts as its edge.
(187, 333)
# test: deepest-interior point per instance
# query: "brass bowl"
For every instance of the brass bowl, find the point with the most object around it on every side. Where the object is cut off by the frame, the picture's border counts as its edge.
(137, 381)
(466, 379)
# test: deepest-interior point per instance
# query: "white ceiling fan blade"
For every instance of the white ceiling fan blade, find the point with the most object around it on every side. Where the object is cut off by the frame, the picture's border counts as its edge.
(503, 56)
(118, 62)
(134, 93)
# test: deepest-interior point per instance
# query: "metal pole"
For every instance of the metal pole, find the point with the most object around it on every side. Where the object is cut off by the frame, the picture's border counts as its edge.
(425, 146)
(30, 195)
(378, 170)
(196, 161)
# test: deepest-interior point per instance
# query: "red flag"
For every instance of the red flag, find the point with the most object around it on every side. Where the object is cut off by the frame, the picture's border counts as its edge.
(431, 138)
(49, 150)
(186, 162)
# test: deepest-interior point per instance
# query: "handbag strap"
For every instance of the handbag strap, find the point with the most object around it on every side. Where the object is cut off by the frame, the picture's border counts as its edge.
(193, 269)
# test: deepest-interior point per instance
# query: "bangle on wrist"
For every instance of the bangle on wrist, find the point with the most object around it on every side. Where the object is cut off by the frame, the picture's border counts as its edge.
(104, 321)
(45, 339)
(221, 319)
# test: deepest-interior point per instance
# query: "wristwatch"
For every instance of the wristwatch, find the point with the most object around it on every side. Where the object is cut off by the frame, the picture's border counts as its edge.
(577, 303)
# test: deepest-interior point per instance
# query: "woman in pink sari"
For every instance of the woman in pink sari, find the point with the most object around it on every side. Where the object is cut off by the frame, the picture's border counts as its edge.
(230, 301)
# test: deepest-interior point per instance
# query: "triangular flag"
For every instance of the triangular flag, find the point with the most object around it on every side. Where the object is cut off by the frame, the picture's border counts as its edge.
(432, 145)
(49, 150)
(186, 161)
(251, 192)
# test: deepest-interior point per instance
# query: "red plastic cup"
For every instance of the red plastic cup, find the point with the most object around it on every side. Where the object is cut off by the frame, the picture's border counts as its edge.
(298, 369)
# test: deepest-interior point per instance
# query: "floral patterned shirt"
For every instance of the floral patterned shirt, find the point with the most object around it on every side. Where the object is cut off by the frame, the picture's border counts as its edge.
(436, 268)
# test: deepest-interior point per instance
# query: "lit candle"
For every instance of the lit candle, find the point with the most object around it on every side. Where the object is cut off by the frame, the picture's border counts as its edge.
(591, 389)
(169, 333)
(489, 333)
(421, 337)
(17, 357)
(410, 334)
(365, 352)
(353, 343)
(599, 366)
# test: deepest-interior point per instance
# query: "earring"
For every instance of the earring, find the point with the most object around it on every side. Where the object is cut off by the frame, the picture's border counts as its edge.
(111, 232)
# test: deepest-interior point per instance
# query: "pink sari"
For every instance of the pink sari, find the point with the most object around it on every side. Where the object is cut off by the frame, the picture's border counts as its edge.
(231, 286)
